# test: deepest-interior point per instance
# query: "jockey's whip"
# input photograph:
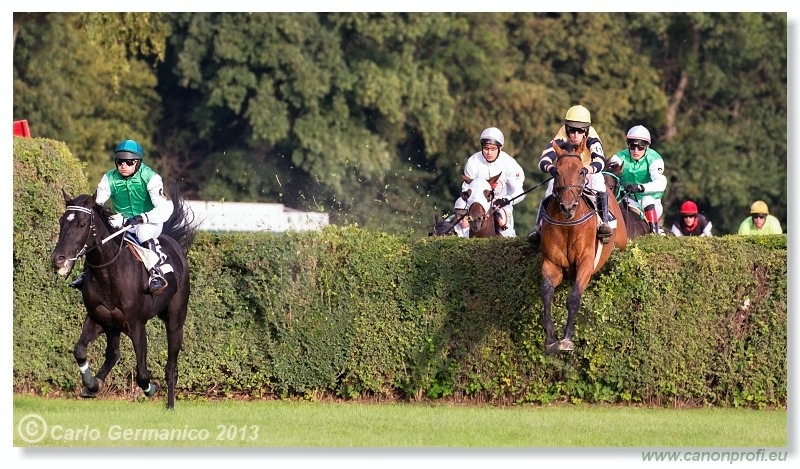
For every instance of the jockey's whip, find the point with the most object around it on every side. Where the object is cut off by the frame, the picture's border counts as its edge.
(119, 232)
(532, 188)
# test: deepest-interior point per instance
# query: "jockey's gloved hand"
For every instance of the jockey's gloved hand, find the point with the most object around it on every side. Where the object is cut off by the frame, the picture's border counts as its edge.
(634, 188)
(133, 221)
(501, 202)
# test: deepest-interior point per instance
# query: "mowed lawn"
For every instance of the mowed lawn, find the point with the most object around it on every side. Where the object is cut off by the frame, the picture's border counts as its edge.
(107, 422)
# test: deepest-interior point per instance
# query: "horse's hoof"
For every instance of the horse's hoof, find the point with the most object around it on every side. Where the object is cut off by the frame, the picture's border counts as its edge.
(152, 391)
(566, 345)
(551, 349)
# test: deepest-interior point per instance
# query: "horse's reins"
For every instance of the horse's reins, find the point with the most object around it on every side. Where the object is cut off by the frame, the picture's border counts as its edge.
(571, 188)
(84, 250)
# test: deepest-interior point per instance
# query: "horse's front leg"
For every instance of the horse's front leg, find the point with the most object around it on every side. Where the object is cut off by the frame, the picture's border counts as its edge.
(89, 333)
(111, 356)
(138, 335)
(583, 274)
(551, 278)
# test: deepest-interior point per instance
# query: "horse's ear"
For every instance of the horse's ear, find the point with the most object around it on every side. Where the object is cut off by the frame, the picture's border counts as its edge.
(67, 197)
(556, 148)
(582, 146)
(493, 180)
(94, 197)
(466, 178)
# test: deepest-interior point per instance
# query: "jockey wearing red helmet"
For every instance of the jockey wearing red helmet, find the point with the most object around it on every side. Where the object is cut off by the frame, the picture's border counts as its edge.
(691, 222)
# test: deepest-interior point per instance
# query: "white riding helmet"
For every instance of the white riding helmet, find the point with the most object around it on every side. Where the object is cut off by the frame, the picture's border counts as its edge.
(493, 136)
(639, 132)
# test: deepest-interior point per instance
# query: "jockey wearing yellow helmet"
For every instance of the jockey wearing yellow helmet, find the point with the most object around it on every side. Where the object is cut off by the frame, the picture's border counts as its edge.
(577, 126)
(760, 222)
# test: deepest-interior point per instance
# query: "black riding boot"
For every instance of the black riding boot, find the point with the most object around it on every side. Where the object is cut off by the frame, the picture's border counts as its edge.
(157, 282)
(78, 282)
(654, 228)
(604, 230)
(534, 237)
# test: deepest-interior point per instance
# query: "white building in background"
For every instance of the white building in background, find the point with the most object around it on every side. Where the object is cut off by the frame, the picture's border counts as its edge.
(245, 216)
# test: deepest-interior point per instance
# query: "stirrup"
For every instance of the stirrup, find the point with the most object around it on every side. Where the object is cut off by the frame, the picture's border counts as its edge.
(157, 283)
(534, 237)
(604, 231)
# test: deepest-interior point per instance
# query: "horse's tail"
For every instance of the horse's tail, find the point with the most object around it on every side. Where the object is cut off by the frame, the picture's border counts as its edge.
(180, 226)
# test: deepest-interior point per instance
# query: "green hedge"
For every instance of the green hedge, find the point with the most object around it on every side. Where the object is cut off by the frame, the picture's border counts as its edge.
(353, 313)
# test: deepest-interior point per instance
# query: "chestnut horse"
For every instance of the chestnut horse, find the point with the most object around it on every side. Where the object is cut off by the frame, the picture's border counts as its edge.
(569, 244)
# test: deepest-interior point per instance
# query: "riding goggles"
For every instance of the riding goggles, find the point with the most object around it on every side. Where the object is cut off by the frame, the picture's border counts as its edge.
(637, 145)
(120, 162)
(573, 130)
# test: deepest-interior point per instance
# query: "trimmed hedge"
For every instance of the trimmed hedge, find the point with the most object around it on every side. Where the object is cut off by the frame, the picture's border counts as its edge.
(352, 313)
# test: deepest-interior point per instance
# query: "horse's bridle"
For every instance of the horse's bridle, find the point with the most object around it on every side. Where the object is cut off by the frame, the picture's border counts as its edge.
(93, 233)
(577, 191)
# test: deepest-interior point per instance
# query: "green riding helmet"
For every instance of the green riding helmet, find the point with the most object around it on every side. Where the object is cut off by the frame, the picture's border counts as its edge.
(129, 150)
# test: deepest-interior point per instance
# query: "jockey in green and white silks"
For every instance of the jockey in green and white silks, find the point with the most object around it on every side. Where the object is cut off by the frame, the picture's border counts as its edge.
(141, 194)
(137, 193)
(642, 175)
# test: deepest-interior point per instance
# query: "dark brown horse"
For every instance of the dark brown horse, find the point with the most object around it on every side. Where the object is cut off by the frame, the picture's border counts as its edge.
(480, 211)
(114, 290)
(635, 223)
(569, 244)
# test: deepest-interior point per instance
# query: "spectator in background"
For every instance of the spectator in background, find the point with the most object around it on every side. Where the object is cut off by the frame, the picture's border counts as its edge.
(760, 222)
(691, 222)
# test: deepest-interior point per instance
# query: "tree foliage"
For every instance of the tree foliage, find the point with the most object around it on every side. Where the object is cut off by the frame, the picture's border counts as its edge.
(371, 116)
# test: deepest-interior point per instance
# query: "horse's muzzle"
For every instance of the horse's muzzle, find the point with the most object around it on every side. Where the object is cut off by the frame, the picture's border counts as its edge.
(568, 212)
(62, 264)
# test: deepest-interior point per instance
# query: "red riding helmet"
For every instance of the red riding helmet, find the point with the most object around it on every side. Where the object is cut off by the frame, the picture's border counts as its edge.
(689, 208)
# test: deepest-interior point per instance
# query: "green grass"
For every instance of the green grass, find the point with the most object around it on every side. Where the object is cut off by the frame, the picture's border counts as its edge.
(102, 423)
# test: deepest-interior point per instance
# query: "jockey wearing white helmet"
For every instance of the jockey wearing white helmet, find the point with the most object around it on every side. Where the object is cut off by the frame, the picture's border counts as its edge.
(490, 161)
(642, 175)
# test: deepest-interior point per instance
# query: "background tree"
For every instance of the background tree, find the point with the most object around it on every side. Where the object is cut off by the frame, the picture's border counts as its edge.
(370, 116)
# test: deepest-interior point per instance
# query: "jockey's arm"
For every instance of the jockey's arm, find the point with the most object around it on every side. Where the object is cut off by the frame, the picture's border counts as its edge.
(658, 182)
(546, 160)
(103, 192)
(162, 207)
(514, 182)
(598, 157)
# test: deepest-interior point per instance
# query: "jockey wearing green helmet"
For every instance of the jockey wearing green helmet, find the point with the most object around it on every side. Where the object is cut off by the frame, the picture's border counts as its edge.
(137, 193)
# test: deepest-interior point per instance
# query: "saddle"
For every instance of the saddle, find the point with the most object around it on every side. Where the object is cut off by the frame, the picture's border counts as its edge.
(147, 257)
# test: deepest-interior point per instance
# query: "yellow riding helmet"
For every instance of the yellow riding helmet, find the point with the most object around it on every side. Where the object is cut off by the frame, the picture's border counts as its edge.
(578, 116)
(759, 206)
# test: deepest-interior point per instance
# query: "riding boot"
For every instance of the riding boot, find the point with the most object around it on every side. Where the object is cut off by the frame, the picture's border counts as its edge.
(78, 282)
(157, 282)
(534, 237)
(604, 230)
(651, 216)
